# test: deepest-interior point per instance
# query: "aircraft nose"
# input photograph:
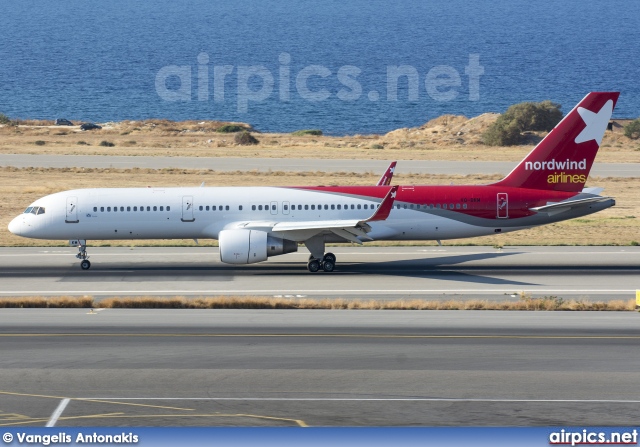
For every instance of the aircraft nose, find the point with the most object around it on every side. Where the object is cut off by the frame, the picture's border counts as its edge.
(16, 226)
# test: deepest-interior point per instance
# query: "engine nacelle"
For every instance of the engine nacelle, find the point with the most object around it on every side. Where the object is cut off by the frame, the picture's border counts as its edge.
(250, 246)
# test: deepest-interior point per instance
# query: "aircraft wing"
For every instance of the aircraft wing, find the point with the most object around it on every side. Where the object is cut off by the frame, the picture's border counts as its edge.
(348, 229)
(555, 208)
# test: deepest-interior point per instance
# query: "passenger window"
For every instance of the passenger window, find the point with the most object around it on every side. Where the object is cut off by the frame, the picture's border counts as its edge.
(240, 207)
(122, 208)
(451, 206)
(260, 207)
(213, 208)
(313, 207)
(200, 208)
(148, 208)
(95, 209)
(115, 209)
(444, 206)
(109, 209)
(286, 207)
(333, 207)
(431, 206)
(142, 208)
(457, 206)
(340, 207)
(155, 208)
(162, 208)
(359, 206)
(226, 207)
(206, 208)
(326, 207)
(128, 208)
(102, 209)
(352, 206)
(253, 207)
(168, 208)
(273, 207)
(464, 205)
(135, 208)
(438, 206)
(306, 207)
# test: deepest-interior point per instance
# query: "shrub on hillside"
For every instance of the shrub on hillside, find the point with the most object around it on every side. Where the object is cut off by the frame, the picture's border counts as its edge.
(300, 133)
(632, 130)
(523, 117)
(4, 119)
(230, 128)
(106, 144)
(244, 138)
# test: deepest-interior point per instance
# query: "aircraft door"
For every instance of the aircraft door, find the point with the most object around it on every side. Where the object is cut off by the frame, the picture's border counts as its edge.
(274, 208)
(285, 207)
(72, 210)
(503, 205)
(187, 209)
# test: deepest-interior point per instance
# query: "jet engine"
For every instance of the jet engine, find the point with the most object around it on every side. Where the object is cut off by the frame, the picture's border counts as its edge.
(251, 246)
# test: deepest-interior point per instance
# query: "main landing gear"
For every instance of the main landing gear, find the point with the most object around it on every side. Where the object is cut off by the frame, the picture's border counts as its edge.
(327, 263)
(82, 254)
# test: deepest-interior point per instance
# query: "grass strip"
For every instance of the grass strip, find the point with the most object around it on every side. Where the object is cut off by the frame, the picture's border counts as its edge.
(547, 303)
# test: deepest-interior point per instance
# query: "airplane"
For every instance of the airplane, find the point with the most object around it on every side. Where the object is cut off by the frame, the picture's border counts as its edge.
(253, 224)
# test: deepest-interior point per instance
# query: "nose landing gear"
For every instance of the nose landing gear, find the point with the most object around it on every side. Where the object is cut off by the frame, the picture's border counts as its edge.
(82, 254)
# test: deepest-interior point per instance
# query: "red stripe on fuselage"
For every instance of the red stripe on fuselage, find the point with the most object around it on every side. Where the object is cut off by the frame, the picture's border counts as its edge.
(481, 201)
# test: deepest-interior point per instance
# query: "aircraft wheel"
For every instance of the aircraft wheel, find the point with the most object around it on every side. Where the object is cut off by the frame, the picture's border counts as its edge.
(329, 257)
(85, 265)
(313, 265)
(328, 265)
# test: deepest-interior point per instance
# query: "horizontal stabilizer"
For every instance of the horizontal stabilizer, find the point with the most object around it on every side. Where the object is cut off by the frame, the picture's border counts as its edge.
(555, 208)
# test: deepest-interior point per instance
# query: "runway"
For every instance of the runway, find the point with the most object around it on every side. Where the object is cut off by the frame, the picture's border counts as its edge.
(289, 164)
(595, 273)
(318, 368)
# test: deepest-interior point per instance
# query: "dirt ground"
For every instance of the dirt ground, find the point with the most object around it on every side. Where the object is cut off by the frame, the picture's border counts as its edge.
(619, 225)
(445, 138)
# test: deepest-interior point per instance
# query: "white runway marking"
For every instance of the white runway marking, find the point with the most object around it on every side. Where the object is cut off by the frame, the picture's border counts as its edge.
(310, 291)
(372, 399)
(56, 414)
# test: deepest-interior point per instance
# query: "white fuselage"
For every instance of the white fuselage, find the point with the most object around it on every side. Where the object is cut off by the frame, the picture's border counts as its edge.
(199, 213)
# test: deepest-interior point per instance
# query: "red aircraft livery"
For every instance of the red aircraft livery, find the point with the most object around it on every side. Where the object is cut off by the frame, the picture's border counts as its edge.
(255, 223)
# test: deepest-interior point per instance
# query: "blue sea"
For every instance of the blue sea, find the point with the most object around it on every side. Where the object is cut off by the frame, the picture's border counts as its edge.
(343, 66)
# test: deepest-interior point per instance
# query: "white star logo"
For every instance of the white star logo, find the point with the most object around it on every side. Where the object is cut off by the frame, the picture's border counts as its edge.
(596, 123)
(393, 195)
(391, 170)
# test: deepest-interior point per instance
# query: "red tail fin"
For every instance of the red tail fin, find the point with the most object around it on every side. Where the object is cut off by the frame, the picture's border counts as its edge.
(563, 159)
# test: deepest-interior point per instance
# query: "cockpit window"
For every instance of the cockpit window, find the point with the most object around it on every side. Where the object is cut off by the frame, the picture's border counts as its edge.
(34, 210)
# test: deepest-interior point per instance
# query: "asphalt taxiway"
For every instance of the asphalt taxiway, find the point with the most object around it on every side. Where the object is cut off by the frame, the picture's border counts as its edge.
(318, 368)
(288, 164)
(595, 273)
